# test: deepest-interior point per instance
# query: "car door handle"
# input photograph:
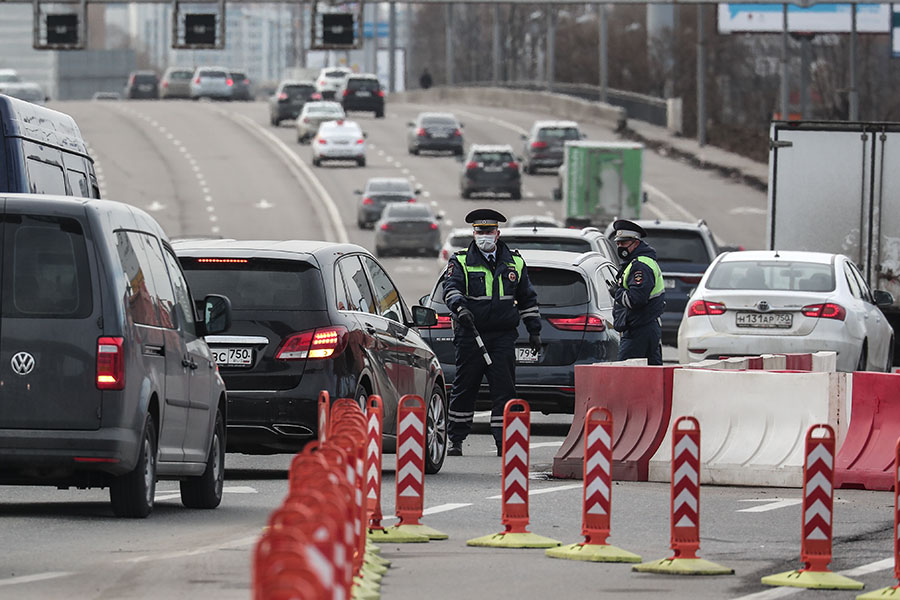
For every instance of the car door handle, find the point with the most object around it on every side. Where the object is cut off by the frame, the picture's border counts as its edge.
(188, 363)
(370, 329)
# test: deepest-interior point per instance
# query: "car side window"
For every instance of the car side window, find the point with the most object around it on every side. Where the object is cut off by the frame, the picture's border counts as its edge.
(359, 296)
(605, 273)
(861, 282)
(340, 291)
(140, 291)
(387, 297)
(165, 296)
(184, 306)
(852, 282)
(45, 178)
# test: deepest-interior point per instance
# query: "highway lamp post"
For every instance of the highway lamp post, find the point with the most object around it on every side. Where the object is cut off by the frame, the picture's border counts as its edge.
(785, 98)
(854, 92)
(495, 50)
(603, 43)
(392, 46)
(701, 77)
(551, 46)
(448, 52)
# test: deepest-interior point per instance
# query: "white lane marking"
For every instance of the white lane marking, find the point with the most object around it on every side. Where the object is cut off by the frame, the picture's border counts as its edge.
(213, 218)
(448, 223)
(205, 190)
(404, 171)
(210, 208)
(686, 214)
(541, 204)
(156, 206)
(435, 509)
(33, 578)
(549, 490)
(263, 204)
(426, 193)
(412, 177)
(389, 158)
(215, 229)
(170, 136)
(381, 153)
(747, 210)
(207, 198)
(659, 214)
(334, 216)
(173, 494)
(770, 504)
(397, 164)
(529, 194)
(546, 445)
(434, 203)
(781, 592)
(236, 543)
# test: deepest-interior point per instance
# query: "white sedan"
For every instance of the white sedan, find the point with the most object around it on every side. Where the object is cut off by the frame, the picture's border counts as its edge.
(339, 140)
(314, 114)
(763, 302)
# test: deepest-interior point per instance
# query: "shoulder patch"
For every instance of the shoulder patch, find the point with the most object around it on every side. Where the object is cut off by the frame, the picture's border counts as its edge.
(450, 268)
(638, 277)
(512, 276)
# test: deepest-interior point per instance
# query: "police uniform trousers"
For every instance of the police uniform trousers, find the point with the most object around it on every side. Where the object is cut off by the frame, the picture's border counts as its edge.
(643, 342)
(471, 369)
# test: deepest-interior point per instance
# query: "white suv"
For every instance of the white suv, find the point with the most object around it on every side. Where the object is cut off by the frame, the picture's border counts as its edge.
(330, 79)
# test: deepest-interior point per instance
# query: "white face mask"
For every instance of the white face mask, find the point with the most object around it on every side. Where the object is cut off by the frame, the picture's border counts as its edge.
(486, 242)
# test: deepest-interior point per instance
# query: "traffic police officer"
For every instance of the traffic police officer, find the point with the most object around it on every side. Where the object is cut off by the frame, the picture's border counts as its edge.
(639, 294)
(487, 291)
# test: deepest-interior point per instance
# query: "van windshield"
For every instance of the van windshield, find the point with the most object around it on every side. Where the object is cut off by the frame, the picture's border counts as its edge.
(257, 284)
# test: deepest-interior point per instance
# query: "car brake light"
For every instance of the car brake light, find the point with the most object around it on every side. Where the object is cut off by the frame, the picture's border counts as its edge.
(512, 164)
(165, 84)
(381, 93)
(305, 119)
(446, 256)
(385, 226)
(457, 133)
(412, 199)
(420, 132)
(110, 363)
(538, 145)
(246, 82)
(471, 165)
(702, 307)
(346, 93)
(229, 82)
(197, 81)
(368, 201)
(322, 141)
(691, 278)
(222, 260)
(324, 342)
(579, 323)
(360, 141)
(828, 310)
(434, 226)
(282, 96)
(443, 322)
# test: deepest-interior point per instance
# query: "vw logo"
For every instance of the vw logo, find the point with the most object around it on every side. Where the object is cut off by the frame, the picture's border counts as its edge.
(22, 363)
(763, 306)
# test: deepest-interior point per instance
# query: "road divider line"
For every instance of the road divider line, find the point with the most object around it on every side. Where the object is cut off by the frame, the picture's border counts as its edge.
(241, 542)
(436, 509)
(33, 578)
(550, 490)
(546, 445)
(306, 178)
(771, 504)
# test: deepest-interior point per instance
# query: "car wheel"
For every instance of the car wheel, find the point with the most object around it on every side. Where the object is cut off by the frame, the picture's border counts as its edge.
(299, 139)
(360, 224)
(863, 359)
(205, 491)
(435, 430)
(362, 397)
(361, 162)
(379, 114)
(414, 151)
(516, 194)
(529, 169)
(466, 194)
(316, 162)
(890, 358)
(132, 494)
(276, 122)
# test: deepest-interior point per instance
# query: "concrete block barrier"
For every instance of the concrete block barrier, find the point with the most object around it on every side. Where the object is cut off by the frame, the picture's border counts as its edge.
(866, 458)
(754, 422)
(798, 362)
(824, 362)
(774, 362)
(640, 401)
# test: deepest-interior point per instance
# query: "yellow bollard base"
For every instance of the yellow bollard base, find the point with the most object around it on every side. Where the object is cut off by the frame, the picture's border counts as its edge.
(370, 576)
(393, 535)
(431, 534)
(818, 580)
(359, 592)
(370, 547)
(888, 592)
(683, 566)
(514, 540)
(373, 567)
(374, 559)
(594, 553)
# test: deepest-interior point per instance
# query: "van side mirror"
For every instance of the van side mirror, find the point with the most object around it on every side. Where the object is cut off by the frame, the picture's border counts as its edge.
(882, 298)
(216, 314)
(523, 136)
(410, 124)
(424, 316)
(424, 298)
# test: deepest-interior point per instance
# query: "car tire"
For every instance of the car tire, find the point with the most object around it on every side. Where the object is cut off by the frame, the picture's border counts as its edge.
(863, 358)
(361, 396)
(414, 151)
(529, 169)
(435, 430)
(379, 252)
(361, 162)
(316, 162)
(360, 224)
(132, 494)
(516, 194)
(890, 358)
(465, 194)
(379, 114)
(205, 491)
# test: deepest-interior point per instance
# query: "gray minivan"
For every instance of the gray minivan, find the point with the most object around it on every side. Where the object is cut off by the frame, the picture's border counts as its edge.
(106, 379)
(42, 152)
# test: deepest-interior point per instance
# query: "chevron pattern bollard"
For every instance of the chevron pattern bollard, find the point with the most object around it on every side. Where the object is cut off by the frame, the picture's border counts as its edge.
(893, 591)
(818, 517)
(685, 508)
(516, 439)
(597, 500)
(374, 439)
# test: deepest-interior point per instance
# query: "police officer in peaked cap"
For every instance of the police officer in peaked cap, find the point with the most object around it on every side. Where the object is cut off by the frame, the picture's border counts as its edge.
(487, 291)
(639, 295)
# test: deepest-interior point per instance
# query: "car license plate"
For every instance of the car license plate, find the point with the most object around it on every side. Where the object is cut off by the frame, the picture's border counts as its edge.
(145, 87)
(670, 283)
(231, 357)
(526, 355)
(363, 94)
(440, 135)
(493, 169)
(764, 320)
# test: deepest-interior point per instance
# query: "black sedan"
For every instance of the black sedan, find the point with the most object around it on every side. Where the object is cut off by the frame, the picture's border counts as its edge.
(576, 315)
(378, 193)
(435, 131)
(288, 100)
(408, 229)
(311, 316)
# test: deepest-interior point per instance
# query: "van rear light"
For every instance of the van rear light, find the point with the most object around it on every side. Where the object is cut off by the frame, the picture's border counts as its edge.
(457, 133)
(471, 165)
(381, 93)
(368, 201)
(443, 322)
(446, 256)
(694, 279)
(421, 132)
(703, 307)
(829, 310)
(538, 145)
(324, 342)
(110, 363)
(579, 323)
(346, 93)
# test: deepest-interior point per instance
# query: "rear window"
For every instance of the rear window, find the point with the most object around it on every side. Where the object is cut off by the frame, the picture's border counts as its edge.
(547, 243)
(363, 84)
(549, 134)
(236, 75)
(336, 74)
(389, 186)
(45, 268)
(145, 78)
(180, 75)
(258, 284)
(461, 240)
(406, 211)
(554, 287)
(214, 74)
(678, 246)
(438, 122)
(295, 91)
(772, 275)
(493, 157)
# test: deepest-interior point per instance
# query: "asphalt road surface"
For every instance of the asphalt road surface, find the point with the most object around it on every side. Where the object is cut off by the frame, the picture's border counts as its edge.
(219, 169)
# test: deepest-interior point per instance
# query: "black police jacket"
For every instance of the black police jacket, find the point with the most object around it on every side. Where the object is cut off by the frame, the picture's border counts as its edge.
(640, 299)
(497, 300)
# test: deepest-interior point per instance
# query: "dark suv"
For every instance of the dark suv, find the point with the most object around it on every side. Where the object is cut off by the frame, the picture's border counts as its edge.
(106, 380)
(491, 169)
(362, 92)
(288, 100)
(545, 144)
(312, 316)
(684, 251)
(142, 84)
(576, 313)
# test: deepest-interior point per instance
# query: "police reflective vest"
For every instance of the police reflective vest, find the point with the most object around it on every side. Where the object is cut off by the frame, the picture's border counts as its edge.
(659, 286)
(518, 263)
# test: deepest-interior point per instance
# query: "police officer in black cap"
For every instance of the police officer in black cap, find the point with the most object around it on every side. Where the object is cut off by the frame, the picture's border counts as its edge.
(639, 294)
(487, 291)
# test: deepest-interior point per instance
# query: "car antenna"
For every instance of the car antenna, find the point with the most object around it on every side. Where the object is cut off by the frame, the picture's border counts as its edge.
(776, 254)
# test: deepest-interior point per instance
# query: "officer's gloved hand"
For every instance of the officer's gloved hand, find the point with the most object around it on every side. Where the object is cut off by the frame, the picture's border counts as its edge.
(466, 318)
(613, 287)
(534, 340)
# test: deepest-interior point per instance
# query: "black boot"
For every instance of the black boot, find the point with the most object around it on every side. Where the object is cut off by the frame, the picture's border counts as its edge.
(455, 449)
(499, 447)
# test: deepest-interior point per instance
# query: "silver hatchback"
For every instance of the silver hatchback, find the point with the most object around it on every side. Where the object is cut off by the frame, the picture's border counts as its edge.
(211, 82)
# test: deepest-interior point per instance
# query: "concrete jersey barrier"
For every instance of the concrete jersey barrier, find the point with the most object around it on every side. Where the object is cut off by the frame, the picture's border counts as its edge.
(753, 422)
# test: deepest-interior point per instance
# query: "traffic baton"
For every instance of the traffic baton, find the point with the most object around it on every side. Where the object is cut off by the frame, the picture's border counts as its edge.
(893, 591)
(817, 518)
(685, 508)
(516, 436)
(480, 342)
(597, 500)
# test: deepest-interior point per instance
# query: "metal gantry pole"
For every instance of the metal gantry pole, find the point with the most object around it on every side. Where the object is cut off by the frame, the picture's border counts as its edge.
(854, 92)
(785, 96)
(495, 54)
(701, 77)
(551, 46)
(448, 52)
(392, 45)
(805, 53)
(604, 53)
